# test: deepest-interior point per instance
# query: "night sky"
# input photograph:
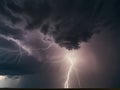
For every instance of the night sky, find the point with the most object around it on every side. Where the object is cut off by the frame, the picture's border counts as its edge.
(37, 38)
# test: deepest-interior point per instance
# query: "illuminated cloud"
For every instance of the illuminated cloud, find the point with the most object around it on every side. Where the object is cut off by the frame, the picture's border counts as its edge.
(2, 77)
(39, 26)
(68, 22)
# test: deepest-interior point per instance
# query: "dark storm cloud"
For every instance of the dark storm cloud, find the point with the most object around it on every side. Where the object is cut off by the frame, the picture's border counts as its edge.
(69, 22)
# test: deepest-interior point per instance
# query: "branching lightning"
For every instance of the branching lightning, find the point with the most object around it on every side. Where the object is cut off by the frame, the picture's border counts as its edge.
(69, 55)
(44, 49)
(18, 42)
(21, 48)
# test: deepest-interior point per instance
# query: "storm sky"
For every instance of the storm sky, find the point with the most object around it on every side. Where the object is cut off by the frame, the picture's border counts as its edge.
(35, 35)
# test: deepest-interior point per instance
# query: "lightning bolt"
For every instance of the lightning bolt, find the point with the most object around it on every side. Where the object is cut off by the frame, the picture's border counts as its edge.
(22, 48)
(66, 85)
(44, 49)
(18, 42)
(69, 55)
(71, 58)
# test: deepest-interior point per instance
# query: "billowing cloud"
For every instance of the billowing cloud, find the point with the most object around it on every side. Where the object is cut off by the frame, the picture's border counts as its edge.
(68, 22)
